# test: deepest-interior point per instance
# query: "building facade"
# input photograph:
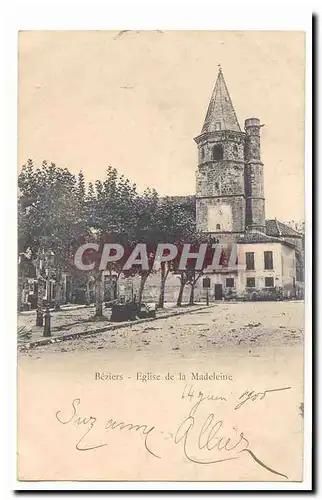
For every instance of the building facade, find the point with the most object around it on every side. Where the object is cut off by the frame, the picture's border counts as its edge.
(230, 205)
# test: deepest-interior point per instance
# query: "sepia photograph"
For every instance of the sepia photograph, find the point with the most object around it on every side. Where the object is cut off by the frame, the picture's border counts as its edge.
(161, 255)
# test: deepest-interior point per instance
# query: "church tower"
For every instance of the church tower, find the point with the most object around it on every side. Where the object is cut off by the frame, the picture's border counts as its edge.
(254, 177)
(220, 190)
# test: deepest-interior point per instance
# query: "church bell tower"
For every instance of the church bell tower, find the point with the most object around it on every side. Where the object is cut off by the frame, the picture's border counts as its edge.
(254, 177)
(220, 190)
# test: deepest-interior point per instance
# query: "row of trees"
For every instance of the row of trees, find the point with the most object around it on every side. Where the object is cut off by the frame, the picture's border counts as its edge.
(58, 211)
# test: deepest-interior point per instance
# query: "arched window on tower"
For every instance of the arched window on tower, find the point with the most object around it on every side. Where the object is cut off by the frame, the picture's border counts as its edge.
(235, 150)
(217, 152)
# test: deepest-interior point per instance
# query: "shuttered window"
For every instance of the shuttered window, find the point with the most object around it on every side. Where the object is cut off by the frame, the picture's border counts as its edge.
(250, 282)
(268, 260)
(230, 282)
(250, 261)
(269, 282)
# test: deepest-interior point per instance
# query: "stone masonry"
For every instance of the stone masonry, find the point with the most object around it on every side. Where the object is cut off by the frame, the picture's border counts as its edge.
(229, 179)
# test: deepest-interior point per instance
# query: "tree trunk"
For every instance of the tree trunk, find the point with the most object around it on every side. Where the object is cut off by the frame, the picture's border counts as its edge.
(99, 295)
(179, 299)
(20, 291)
(40, 296)
(87, 293)
(117, 285)
(192, 294)
(164, 275)
(193, 285)
(59, 295)
(144, 277)
(59, 290)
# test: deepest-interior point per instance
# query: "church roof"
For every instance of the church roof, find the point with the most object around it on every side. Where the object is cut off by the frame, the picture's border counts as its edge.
(221, 114)
(259, 237)
(279, 229)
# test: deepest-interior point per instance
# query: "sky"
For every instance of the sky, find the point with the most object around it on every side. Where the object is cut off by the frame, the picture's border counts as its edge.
(135, 100)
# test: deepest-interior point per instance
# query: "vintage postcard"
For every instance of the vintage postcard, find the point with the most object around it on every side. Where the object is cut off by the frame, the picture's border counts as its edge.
(161, 241)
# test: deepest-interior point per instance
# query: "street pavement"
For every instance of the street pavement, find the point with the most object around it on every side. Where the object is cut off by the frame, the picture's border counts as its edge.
(246, 325)
(76, 321)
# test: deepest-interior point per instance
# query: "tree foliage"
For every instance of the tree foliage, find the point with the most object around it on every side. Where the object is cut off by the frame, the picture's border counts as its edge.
(59, 211)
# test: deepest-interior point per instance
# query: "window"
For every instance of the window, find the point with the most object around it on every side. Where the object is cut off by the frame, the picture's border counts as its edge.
(268, 260)
(217, 152)
(235, 150)
(202, 152)
(230, 282)
(206, 283)
(218, 126)
(217, 226)
(269, 282)
(250, 261)
(217, 185)
(250, 282)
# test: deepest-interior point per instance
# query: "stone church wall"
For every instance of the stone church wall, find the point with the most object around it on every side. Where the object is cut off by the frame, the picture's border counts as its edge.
(237, 204)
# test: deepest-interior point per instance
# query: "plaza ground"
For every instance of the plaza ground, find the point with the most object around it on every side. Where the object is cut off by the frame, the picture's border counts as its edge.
(254, 326)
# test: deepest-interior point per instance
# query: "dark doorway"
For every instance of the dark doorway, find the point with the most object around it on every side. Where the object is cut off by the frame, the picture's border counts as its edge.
(218, 292)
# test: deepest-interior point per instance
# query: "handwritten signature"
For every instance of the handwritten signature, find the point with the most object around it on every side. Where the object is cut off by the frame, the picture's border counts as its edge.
(211, 437)
(201, 434)
(111, 424)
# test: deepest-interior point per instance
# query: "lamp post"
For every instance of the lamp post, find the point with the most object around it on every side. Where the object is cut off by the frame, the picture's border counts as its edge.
(21, 280)
(50, 258)
(47, 316)
(40, 291)
(206, 285)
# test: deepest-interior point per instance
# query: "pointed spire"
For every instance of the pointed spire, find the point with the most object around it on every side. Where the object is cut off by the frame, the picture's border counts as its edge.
(221, 114)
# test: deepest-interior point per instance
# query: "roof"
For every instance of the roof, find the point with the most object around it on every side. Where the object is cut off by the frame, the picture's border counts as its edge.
(280, 230)
(258, 237)
(220, 109)
(181, 200)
